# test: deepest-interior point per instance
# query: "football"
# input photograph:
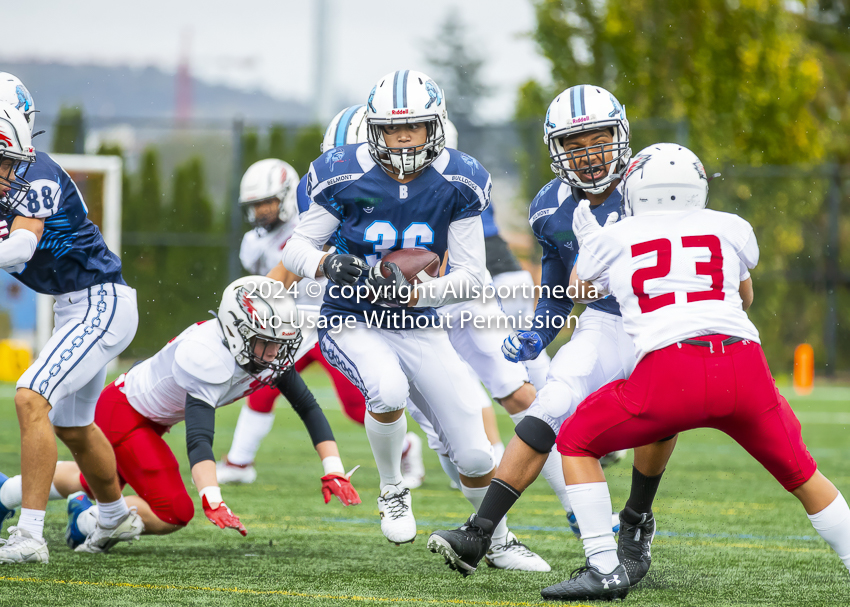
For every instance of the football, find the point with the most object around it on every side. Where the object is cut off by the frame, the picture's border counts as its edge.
(417, 265)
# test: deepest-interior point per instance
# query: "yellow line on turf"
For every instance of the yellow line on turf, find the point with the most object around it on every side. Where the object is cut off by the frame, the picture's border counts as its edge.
(30, 580)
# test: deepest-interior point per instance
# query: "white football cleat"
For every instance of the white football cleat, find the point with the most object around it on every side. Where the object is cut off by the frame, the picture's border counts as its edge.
(412, 467)
(233, 473)
(104, 538)
(21, 547)
(514, 555)
(397, 522)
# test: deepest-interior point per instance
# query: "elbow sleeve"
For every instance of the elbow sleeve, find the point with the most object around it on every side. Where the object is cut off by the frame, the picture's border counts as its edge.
(293, 388)
(200, 430)
(18, 248)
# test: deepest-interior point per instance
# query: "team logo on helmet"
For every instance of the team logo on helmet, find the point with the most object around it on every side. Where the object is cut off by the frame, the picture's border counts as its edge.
(372, 97)
(636, 164)
(24, 98)
(618, 109)
(470, 162)
(335, 155)
(701, 170)
(549, 123)
(246, 304)
(5, 141)
(434, 93)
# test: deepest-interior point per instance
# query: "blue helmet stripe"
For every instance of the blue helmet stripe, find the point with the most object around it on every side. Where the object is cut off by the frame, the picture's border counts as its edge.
(404, 89)
(395, 89)
(343, 124)
(581, 100)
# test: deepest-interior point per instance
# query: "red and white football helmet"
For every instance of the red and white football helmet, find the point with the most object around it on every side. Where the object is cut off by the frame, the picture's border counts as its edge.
(266, 180)
(16, 156)
(258, 310)
(664, 178)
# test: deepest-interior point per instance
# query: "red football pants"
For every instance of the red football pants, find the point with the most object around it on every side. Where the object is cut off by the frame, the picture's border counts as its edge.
(145, 462)
(353, 402)
(682, 387)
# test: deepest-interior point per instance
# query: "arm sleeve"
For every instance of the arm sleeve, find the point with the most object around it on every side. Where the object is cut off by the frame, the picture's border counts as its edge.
(18, 248)
(467, 260)
(553, 303)
(200, 429)
(293, 388)
(303, 252)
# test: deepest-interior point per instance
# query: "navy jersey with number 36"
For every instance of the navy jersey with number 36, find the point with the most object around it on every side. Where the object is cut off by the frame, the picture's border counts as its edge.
(378, 214)
(71, 254)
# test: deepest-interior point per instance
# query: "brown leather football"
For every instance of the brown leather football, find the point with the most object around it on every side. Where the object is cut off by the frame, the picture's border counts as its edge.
(417, 265)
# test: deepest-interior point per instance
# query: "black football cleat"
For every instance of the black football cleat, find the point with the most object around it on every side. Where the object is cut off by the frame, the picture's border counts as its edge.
(463, 548)
(587, 583)
(634, 543)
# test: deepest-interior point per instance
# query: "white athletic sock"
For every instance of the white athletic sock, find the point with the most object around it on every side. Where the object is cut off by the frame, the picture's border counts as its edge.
(475, 495)
(553, 472)
(387, 441)
(405, 445)
(498, 452)
(591, 504)
(605, 561)
(87, 521)
(251, 428)
(833, 525)
(32, 521)
(110, 513)
(54, 494)
(450, 469)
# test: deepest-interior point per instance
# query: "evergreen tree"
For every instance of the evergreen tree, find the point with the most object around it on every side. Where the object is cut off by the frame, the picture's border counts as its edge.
(69, 133)
(278, 140)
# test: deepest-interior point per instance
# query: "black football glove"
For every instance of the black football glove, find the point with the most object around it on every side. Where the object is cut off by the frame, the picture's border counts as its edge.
(343, 269)
(393, 290)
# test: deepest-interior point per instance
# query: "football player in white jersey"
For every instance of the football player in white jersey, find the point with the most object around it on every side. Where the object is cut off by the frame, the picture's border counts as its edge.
(253, 342)
(681, 273)
(587, 133)
(48, 243)
(401, 190)
(269, 194)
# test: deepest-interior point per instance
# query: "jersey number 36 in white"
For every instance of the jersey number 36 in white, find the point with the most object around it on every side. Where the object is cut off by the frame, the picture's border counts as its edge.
(384, 236)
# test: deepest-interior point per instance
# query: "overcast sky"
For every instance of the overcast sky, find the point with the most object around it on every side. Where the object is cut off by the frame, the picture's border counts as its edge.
(270, 43)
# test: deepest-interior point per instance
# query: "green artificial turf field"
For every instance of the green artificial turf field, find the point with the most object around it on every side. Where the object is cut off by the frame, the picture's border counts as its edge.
(728, 533)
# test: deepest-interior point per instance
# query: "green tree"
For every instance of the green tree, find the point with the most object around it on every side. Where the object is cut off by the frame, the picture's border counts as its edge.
(69, 133)
(305, 148)
(250, 148)
(458, 69)
(278, 139)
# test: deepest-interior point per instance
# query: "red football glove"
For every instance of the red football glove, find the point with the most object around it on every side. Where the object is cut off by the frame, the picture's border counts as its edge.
(340, 486)
(223, 517)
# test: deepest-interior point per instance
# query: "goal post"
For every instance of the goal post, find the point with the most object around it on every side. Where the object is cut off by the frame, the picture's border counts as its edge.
(98, 178)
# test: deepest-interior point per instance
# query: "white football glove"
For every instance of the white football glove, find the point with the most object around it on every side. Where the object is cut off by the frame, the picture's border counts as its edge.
(585, 224)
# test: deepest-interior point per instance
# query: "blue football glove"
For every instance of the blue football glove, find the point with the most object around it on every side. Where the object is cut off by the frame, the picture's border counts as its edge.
(525, 345)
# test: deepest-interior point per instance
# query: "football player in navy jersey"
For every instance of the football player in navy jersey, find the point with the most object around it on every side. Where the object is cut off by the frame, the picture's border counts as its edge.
(49, 244)
(403, 189)
(588, 137)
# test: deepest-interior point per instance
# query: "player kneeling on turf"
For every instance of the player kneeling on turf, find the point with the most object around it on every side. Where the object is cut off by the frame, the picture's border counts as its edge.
(253, 343)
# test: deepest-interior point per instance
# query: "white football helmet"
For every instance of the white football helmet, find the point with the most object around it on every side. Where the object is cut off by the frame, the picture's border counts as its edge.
(16, 156)
(451, 134)
(349, 126)
(265, 180)
(258, 309)
(581, 109)
(664, 178)
(13, 91)
(406, 97)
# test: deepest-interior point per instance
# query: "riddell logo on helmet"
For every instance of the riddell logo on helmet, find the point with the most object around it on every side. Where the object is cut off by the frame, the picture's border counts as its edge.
(400, 112)
(581, 119)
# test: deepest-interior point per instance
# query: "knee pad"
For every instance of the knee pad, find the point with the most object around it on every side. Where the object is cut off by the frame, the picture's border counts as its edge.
(180, 512)
(536, 433)
(475, 463)
(557, 400)
(393, 391)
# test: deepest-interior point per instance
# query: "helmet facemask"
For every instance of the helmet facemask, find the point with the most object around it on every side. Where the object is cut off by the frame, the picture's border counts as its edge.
(255, 364)
(13, 171)
(410, 159)
(591, 158)
(267, 221)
